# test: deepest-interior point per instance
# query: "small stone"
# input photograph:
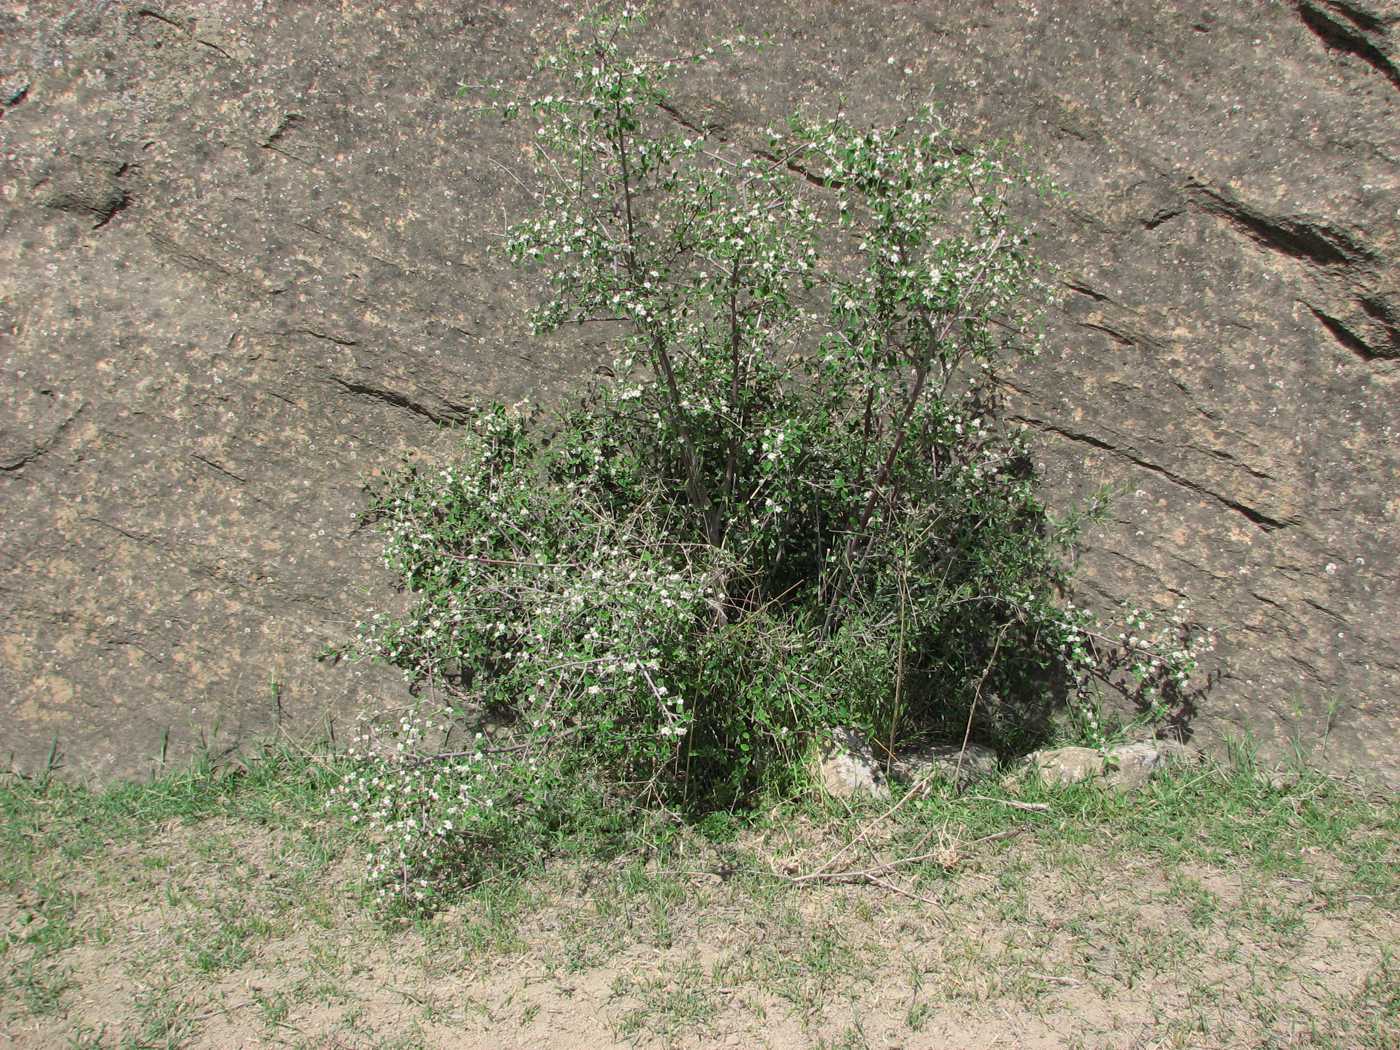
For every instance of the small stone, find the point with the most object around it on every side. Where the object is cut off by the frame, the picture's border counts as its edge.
(848, 767)
(1126, 767)
(13, 90)
(1066, 765)
(1130, 766)
(948, 762)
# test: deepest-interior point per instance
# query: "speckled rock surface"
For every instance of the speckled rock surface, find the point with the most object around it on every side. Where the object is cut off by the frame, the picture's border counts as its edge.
(848, 768)
(246, 262)
(1126, 767)
(948, 762)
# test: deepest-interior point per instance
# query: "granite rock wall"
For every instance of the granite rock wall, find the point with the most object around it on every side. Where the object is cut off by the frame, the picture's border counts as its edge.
(247, 261)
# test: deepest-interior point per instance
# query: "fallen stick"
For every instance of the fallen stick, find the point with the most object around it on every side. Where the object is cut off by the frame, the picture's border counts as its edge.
(1056, 980)
(893, 888)
(821, 874)
(1029, 807)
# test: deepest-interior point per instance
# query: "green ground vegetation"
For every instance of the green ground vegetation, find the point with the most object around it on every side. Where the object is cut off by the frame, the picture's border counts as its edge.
(1213, 909)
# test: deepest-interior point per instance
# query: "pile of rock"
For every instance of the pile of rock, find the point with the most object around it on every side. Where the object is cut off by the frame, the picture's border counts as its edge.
(1124, 768)
(850, 768)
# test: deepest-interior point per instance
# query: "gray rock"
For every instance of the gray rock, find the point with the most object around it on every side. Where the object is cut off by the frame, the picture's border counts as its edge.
(300, 290)
(945, 761)
(1125, 767)
(1130, 766)
(848, 768)
(1066, 765)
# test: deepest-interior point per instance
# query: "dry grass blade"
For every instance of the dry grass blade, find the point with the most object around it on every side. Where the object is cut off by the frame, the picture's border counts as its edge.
(946, 855)
(1029, 807)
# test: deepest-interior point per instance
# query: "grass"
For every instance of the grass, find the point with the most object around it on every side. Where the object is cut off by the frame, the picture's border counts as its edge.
(221, 907)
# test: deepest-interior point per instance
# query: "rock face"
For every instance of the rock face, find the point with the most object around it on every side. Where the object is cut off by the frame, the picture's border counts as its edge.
(246, 263)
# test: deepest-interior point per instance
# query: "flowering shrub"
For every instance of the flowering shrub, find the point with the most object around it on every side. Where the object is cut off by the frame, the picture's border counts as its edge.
(791, 505)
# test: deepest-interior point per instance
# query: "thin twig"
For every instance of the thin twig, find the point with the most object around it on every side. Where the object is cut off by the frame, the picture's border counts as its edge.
(967, 733)
(893, 888)
(1029, 807)
(864, 873)
(514, 176)
(1071, 981)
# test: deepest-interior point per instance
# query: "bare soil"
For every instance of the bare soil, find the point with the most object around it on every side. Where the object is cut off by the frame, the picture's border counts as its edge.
(217, 935)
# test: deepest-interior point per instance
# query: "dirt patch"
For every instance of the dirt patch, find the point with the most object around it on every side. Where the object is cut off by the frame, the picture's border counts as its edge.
(208, 936)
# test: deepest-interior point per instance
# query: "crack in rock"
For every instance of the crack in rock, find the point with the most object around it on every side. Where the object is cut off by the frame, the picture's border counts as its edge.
(1340, 332)
(1341, 37)
(1349, 338)
(1264, 522)
(1309, 241)
(1091, 293)
(455, 413)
